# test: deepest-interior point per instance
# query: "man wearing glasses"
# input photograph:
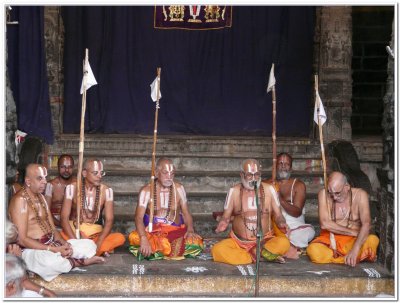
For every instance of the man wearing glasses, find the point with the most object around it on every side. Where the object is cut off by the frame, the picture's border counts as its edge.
(97, 207)
(345, 221)
(173, 236)
(55, 188)
(241, 203)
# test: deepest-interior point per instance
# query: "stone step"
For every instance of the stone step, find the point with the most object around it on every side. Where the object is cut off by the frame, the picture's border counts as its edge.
(199, 202)
(233, 146)
(184, 144)
(191, 162)
(217, 181)
(123, 276)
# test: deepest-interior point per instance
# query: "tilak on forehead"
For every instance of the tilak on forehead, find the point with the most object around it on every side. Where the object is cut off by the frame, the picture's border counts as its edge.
(169, 167)
(42, 171)
(97, 165)
(251, 168)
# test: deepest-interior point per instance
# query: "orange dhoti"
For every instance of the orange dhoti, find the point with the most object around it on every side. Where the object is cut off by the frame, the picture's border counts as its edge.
(235, 251)
(92, 231)
(319, 249)
(167, 242)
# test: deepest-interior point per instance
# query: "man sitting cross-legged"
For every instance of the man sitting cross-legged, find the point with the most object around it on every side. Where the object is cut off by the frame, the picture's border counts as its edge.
(55, 188)
(240, 202)
(173, 236)
(45, 252)
(292, 198)
(348, 226)
(97, 199)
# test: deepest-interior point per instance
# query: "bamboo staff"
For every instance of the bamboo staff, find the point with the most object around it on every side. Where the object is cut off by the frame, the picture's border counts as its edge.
(321, 138)
(153, 159)
(273, 133)
(81, 147)
(259, 237)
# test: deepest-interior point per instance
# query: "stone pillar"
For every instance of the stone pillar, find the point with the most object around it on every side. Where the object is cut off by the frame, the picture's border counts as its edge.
(386, 174)
(333, 65)
(54, 44)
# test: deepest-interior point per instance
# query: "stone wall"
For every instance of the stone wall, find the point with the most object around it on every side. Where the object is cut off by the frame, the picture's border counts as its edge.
(386, 173)
(54, 39)
(371, 34)
(333, 51)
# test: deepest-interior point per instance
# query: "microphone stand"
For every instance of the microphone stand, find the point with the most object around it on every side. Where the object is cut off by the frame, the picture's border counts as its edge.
(258, 237)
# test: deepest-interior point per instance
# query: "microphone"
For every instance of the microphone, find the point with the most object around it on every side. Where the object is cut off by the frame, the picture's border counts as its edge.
(253, 184)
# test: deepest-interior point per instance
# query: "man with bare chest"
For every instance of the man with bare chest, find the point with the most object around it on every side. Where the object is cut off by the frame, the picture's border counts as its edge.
(173, 235)
(55, 188)
(96, 205)
(345, 221)
(44, 250)
(292, 198)
(241, 203)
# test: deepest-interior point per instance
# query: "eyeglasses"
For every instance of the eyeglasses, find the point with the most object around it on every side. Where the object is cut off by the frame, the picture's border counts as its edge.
(249, 175)
(337, 193)
(96, 173)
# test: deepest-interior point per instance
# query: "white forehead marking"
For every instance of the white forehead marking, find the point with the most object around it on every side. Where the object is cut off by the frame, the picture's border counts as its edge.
(42, 171)
(95, 166)
(252, 168)
(169, 167)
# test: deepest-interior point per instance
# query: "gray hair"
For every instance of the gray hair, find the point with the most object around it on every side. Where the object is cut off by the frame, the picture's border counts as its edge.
(11, 232)
(15, 269)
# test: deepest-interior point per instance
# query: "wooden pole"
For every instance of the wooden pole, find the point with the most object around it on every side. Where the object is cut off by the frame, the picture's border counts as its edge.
(153, 154)
(273, 133)
(81, 148)
(259, 237)
(321, 138)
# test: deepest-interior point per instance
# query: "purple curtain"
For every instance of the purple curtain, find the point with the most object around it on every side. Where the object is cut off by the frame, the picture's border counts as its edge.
(26, 66)
(213, 82)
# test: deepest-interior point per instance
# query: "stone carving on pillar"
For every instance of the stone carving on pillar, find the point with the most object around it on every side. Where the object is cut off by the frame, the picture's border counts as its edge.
(333, 65)
(54, 44)
(386, 174)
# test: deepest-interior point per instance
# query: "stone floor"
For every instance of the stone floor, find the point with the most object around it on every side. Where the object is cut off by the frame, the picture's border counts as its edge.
(123, 276)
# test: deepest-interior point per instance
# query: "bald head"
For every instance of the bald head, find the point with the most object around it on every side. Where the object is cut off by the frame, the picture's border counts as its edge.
(337, 178)
(33, 169)
(250, 165)
(35, 177)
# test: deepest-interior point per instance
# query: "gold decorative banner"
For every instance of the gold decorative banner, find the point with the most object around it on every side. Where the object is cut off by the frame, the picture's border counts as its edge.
(192, 17)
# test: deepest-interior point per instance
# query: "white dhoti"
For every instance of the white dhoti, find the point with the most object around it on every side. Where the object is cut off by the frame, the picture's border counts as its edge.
(49, 265)
(301, 235)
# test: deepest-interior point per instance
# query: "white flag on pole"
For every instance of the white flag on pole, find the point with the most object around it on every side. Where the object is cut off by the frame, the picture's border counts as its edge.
(90, 80)
(322, 114)
(154, 88)
(271, 81)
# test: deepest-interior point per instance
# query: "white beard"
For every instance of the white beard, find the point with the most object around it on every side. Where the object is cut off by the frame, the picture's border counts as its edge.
(248, 184)
(283, 175)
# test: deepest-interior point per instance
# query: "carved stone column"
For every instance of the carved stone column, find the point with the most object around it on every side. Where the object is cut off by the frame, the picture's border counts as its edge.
(386, 174)
(333, 65)
(54, 40)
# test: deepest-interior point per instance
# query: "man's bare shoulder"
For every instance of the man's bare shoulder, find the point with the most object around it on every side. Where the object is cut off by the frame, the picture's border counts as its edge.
(145, 188)
(53, 181)
(17, 200)
(299, 184)
(178, 185)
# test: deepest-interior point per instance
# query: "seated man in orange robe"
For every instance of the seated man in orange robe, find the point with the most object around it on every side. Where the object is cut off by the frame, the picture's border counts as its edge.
(345, 225)
(172, 235)
(97, 200)
(240, 202)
